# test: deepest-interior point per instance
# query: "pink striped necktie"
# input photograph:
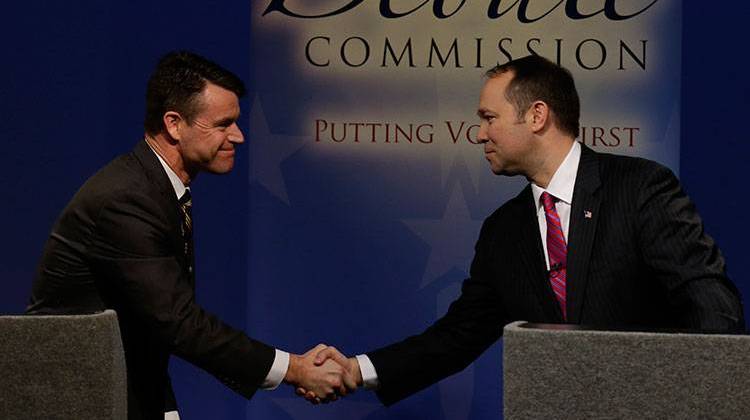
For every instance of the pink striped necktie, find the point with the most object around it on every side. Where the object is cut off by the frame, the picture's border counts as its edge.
(557, 249)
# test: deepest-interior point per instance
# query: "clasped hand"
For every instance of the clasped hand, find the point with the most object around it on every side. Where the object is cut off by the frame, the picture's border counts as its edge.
(323, 374)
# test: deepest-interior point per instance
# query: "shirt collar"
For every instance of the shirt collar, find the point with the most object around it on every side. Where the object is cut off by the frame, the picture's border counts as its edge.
(564, 180)
(177, 184)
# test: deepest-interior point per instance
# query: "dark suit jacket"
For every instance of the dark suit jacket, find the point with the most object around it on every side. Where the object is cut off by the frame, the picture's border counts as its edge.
(641, 259)
(118, 245)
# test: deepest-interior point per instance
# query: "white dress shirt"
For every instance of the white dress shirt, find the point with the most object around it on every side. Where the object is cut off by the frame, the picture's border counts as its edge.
(561, 187)
(281, 360)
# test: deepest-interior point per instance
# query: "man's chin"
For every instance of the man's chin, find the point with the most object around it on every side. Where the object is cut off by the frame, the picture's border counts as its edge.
(220, 169)
(497, 170)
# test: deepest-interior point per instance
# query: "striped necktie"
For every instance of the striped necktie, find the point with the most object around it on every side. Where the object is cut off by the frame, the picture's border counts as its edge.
(186, 207)
(557, 250)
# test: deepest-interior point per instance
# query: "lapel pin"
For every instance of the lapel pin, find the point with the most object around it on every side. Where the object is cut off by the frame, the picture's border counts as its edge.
(587, 214)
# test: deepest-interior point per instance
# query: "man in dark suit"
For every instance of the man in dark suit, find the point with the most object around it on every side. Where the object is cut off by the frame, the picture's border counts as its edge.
(125, 242)
(594, 239)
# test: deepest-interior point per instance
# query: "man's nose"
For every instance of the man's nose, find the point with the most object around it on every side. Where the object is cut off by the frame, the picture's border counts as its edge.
(482, 133)
(235, 134)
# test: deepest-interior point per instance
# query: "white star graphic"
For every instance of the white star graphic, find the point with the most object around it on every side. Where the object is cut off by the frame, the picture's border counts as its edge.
(268, 151)
(451, 238)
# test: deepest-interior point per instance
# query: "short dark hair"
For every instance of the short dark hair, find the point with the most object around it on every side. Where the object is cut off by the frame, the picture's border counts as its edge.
(176, 84)
(537, 79)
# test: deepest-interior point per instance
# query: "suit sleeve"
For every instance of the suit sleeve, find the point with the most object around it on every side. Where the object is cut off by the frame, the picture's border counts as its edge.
(136, 255)
(684, 258)
(473, 322)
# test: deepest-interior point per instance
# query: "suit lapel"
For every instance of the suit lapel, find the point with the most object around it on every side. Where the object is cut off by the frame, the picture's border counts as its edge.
(159, 179)
(531, 255)
(584, 216)
(164, 191)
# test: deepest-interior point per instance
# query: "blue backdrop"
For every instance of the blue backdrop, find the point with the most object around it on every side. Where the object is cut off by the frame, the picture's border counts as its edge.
(72, 98)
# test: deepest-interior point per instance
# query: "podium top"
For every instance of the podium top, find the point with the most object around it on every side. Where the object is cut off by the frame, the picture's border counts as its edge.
(524, 325)
(572, 371)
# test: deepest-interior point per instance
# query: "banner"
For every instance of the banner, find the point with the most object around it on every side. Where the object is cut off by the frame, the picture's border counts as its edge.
(368, 187)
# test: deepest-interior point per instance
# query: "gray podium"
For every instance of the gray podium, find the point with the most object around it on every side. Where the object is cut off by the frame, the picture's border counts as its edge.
(62, 367)
(554, 372)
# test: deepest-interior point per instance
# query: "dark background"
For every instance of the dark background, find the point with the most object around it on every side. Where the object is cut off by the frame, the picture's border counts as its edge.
(71, 98)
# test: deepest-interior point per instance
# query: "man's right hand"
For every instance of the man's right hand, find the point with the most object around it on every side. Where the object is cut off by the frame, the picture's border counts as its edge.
(321, 378)
(352, 376)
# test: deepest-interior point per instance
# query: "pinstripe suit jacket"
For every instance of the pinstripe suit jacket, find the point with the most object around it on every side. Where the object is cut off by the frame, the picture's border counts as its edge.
(641, 260)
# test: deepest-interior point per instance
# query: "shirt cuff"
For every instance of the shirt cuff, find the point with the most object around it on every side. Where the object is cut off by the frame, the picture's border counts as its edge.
(171, 415)
(277, 372)
(367, 369)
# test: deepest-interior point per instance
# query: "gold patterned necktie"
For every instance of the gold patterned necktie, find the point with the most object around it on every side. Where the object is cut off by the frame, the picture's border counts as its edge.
(186, 207)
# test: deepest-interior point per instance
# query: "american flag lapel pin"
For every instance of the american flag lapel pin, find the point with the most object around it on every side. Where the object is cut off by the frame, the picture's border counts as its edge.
(587, 214)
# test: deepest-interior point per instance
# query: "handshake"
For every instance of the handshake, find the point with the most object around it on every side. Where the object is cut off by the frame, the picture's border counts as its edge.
(323, 374)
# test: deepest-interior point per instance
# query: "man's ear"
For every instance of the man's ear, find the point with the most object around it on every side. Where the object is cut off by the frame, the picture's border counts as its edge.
(173, 123)
(539, 115)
